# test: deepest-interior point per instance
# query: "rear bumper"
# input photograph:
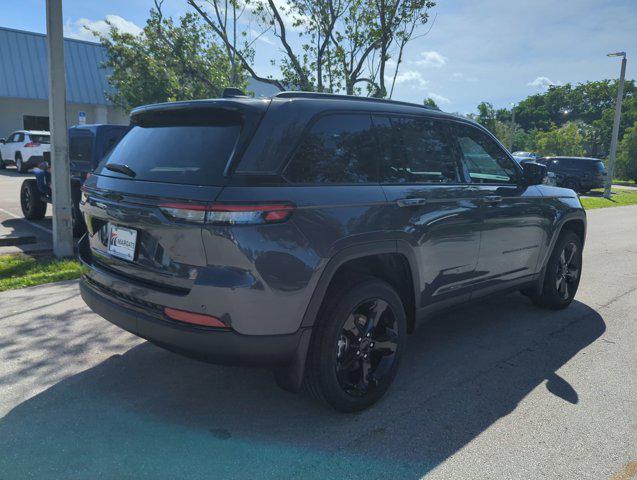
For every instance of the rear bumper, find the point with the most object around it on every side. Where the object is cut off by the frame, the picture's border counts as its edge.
(203, 343)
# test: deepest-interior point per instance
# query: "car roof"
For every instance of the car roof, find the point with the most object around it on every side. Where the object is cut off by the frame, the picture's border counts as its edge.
(564, 157)
(33, 132)
(312, 100)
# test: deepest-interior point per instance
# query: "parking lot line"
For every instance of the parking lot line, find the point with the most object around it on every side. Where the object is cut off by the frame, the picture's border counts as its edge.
(28, 221)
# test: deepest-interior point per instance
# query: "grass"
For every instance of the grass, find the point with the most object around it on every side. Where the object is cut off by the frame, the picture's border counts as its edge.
(618, 198)
(19, 271)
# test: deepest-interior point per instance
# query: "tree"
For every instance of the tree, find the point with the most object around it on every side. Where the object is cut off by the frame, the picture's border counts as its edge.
(564, 140)
(168, 61)
(486, 116)
(627, 155)
(430, 102)
(345, 44)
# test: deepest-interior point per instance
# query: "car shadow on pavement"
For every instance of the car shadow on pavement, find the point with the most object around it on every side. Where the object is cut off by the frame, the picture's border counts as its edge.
(152, 414)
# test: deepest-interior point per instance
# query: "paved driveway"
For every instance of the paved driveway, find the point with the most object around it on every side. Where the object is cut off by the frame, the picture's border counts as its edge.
(498, 390)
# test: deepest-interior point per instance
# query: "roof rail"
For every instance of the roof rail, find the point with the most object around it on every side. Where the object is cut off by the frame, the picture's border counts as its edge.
(231, 92)
(334, 96)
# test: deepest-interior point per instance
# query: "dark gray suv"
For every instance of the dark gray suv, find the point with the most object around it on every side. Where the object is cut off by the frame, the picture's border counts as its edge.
(309, 233)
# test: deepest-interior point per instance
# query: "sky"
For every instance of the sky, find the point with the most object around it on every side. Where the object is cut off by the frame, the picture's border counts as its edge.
(498, 51)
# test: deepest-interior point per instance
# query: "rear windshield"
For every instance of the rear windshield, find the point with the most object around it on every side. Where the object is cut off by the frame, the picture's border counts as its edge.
(186, 154)
(81, 146)
(599, 166)
(46, 139)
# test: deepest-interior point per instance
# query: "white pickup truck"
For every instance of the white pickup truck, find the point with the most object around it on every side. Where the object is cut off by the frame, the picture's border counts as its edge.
(25, 149)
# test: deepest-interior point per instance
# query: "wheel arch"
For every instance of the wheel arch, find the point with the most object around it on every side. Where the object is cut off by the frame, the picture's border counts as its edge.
(392, 261)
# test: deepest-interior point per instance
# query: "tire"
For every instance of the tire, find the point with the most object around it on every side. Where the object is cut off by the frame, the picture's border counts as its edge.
(79, 227)
(563, 273)
(19, 164)
(2, 164)
(356, 345)
(33, 207)
(572, 184)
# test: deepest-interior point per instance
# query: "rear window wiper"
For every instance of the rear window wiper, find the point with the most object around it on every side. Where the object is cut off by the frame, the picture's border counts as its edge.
(120, 168)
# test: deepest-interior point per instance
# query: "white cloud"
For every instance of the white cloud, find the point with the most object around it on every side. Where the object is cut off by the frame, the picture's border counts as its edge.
(461, 77)
(439, 99)
(431, 59)
(542, 83)
(409, 77)
(81, 28)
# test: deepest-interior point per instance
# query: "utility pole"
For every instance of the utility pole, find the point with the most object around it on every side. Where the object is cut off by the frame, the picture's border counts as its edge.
(618, 113)
(60, 174)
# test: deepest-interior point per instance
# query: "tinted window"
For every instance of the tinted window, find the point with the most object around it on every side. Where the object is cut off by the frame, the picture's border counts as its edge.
(599, 166)
(46, 139)
(485, 161)
(416, 150)
(337, 149)
(194, 154)
(81, 146)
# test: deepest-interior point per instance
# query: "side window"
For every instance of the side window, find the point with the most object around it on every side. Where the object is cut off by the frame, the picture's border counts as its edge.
(20, 138)
(339, 148)
(416, 150)
(485, 161)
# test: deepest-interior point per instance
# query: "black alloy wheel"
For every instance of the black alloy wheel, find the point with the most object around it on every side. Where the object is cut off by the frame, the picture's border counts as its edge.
(568, 270)
(356, 344)
(366, 348)
(562, 274)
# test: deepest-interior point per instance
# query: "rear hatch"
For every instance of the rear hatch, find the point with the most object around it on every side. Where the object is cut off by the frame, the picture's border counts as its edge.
(145, 205)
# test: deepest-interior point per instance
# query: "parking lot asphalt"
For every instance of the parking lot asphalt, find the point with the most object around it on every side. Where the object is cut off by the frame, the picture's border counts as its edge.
(497, 390)
(13, 223)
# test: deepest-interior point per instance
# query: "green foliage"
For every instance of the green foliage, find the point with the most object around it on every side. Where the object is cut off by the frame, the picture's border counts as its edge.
(430, 102)
(19, 271)
(592, 103)
(168, 61)
(564, 140)
(626, 167)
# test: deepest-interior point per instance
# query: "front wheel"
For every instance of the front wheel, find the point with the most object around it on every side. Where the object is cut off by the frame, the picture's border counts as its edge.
(356, 345)
(33, 207)
(2, 164)
(563, 273)
(19, 164)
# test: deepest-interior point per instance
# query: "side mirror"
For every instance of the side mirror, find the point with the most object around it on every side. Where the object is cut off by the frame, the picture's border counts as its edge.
(533, 173)
(3, 140)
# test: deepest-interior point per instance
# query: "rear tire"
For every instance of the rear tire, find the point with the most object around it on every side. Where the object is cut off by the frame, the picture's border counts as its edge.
(356, 345)
(563, 273)
(19, 164)
(2, 164)
(33, 207)
(572, 184)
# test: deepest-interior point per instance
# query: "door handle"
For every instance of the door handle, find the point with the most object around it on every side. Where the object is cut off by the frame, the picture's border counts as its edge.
(492, 199)
(411, 202)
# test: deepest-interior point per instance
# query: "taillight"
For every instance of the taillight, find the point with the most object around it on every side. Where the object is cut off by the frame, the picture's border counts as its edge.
(31, 144)
(220, 214)
(229, 214)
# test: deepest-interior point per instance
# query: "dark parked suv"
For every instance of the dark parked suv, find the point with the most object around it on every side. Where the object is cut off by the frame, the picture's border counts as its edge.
(577, 173)
(309, 233)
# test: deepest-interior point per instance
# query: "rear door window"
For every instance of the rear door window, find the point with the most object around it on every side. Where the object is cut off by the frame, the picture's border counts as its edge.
(44, 139)
(416, 150)
(485, 160)
(338, 148)
(175, 152)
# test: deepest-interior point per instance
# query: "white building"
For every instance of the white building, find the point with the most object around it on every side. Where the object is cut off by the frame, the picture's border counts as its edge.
(24, 83)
